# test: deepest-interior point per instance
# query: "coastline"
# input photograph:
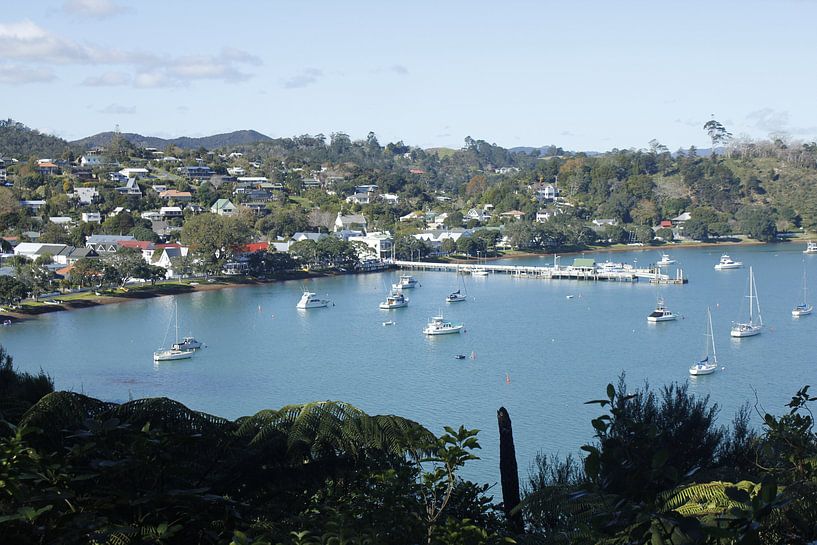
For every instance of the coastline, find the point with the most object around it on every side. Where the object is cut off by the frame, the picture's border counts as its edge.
(90, 300)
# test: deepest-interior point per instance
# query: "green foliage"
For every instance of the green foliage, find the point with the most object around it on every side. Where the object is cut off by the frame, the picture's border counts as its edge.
(19, 390)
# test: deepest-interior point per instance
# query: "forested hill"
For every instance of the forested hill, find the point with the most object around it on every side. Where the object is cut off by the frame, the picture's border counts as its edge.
(21, 142)
(235, 138)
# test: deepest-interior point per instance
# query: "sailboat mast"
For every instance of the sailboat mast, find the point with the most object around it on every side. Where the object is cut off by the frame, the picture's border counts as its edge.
(751, 295)
(757, 301)
(177, 321)
(711, 335)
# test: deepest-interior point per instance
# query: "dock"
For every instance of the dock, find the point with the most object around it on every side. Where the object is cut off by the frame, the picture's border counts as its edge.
(596, 273)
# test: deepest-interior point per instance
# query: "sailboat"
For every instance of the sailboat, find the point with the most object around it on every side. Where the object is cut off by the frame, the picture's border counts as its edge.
(754, 325)
(175, 352)
(458, 296)
(803, 308)
(709, 363)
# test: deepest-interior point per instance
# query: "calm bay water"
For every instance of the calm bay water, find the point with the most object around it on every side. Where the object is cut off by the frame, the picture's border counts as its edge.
(557, 352)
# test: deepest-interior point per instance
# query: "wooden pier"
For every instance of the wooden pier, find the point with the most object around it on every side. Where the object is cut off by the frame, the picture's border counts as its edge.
(556, 272)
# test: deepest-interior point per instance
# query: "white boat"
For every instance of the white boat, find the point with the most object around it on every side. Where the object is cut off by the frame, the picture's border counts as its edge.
(395, 299)
(661, 313)
(173, 353)
(188, 343)
(406, 282)
(665, 261)
(479, 271)
(440, 326)
(754, 325)
(310, 300)
(389, 322)
(458, 296)
(811, 248)
(803, 309)
(709, 363)
(726, 262)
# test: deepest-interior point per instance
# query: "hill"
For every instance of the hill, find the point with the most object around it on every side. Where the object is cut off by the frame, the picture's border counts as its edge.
(21, 142)
(235, 138)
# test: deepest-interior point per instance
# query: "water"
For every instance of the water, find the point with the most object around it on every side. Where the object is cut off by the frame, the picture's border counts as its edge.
(556, 352)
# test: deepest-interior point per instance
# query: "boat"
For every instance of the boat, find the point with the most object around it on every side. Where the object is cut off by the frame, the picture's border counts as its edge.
(479, 271)
(173, 353)
(803, 309)
(811, 248)
(406, 282)
(665, 261)
(389, 322)
(459, 356)
(709, 363)
(726, 263)
(661, 313)
(754, 325)
(188, 343)
(458, 296)
(395, 299)
(440, 326)
(310, 300)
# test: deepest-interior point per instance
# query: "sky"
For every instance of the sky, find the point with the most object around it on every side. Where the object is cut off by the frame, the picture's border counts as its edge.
(583, 75)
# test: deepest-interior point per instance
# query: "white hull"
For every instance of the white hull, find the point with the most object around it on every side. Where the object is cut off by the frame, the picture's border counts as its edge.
(664, 318)
(443, 331)
(811, 248)
(308, 300)
(724, 267)
(702, 369)
(479, 273)
(455, 298)
(168, 355)
(387, 306)
(800, 311)
(745, 331)
(305, 306)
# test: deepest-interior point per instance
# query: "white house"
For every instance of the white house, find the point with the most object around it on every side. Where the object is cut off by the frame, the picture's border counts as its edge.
(134, 172)
(359, 198)
(351, 222)
(105, 244)
(390, 198)
(92, 217)
(380, 243)
(170, 212)
(62, 221)
(33, 205)
(236, 171)
(85, 195)
(130, 188)
(223, 207)
(604, 221)
(476, 214)
(411, 216)
(90, 161)
(683, 218)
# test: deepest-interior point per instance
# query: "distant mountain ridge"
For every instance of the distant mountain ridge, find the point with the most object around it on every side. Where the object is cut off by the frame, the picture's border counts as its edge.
(235, 138)
(21, 142)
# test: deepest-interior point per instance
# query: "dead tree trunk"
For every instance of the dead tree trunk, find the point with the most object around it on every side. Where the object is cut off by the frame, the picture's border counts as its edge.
(508, 471)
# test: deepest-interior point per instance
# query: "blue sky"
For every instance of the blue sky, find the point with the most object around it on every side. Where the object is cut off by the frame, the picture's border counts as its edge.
(582, 75)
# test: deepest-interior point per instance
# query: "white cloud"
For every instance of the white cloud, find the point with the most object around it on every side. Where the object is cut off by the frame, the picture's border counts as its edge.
(12, 74)
(117, 109)
(99, 9)
(29, 42)
(398, 69)
(108, 79)
(308, 76)
(776, 122)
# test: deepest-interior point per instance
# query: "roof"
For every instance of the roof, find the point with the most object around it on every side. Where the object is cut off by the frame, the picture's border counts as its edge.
(107, 239)
(141, 244)
(584, 262)
(170, 193)
(255, 247)
(222, 203)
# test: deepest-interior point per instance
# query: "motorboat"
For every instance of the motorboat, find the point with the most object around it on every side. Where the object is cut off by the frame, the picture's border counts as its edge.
(188, 343)
(754, 325)
(406, 282)
(440, 326)
(811, 248)
(459, 356)
(395, 299)
(803, 309)
(709, 363)
(479, 271)
(726, 263)
(665, 261)
(661, 313)
(456, 297)
(310, 300)
(389, 322)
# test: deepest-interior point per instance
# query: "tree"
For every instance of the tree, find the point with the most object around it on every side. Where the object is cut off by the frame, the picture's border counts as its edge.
(213, 239)
(758, 223)
(87, 272)
(717, 133)
(54, 234)
(305, 251)
(121, 266)
(696, 229)
(11, 290)
(143, 233)
(448, 246)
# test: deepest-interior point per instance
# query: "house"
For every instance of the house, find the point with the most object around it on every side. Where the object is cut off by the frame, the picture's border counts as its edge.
(236, 171)
(299, 236)
(170, 212)
(91, 161)
(223, 207)
(134, 172)
(2, 171)
(584, 264)
(105, 244)
(85, 195)
(437, 221)
(178, 196)
(665, 224)
(62, 221)
(369, 188)
(417, 171)
(604, 222)
(380, 243)
(683, 218)
(390, 198)
(252, 181)
(168, 256)
(311, 183)
(46, 167)
(476, 214)
(130, 188)
(118, 210)
(507, 170)
(359, 198)
(197, 171)
(350, 222)
(158, 189)
(62, 254)
(513, 214)
(436, 238)
(91, 217)
(235, 155)
(411, 216)
(34, 206)
(194, 208)
(83, 174)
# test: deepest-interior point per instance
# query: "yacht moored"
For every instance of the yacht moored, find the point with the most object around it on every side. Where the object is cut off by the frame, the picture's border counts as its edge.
(310, 300)
(440, 326)
(665, 261)
(661, 313)
(406, 282)
(188, 343)
(396, 299)
(726, 262)
(709, 363)
(811, 248)
(754, 325)
(455, 297)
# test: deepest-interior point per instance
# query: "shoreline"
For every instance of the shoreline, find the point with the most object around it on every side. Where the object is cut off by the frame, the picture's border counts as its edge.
(148, 292)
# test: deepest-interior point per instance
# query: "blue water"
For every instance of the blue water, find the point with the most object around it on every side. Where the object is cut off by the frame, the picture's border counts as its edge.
(556, 352)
